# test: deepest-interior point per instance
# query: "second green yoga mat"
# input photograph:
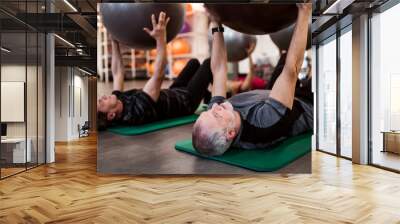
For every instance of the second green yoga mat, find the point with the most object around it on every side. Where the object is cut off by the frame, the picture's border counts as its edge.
(262, 160)
(158, 125)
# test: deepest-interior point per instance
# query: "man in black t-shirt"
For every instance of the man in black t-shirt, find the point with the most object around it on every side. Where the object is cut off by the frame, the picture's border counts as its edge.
(258, 118)
(140, 106)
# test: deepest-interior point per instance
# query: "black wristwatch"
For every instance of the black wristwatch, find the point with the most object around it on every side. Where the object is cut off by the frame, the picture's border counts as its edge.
(217, 29)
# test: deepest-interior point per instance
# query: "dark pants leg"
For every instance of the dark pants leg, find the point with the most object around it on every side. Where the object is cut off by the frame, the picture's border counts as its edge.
(303, 90)
(198, 84)
(277, 71)
(186, 74)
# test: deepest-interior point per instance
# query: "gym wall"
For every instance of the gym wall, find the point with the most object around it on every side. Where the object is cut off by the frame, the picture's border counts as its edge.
(71, 102)
(16, 73)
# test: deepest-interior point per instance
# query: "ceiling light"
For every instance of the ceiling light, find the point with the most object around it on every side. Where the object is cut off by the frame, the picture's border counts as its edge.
(84, 71)
(70, 5)
(333, 6)
(5, 50)
(338, 6)
(64, 40)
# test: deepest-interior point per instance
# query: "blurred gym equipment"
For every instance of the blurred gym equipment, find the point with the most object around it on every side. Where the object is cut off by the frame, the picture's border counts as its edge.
(180, 46)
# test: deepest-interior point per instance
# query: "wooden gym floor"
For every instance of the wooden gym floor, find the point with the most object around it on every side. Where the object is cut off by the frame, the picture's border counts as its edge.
(70, 191)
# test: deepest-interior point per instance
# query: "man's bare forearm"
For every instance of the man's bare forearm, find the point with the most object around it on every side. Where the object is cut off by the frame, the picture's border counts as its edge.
(153, 85)
(161, 60)
(117, 67)
(285, 85)
(218, 63)
(295, 55)
(159, 33)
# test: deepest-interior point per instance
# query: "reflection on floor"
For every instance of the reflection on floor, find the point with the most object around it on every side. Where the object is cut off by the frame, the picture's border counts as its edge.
(10, 171)
(386, 159)
(70, 191)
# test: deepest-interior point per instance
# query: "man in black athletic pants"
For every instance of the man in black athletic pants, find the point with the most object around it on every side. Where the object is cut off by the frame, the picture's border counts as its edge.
(136, 107)
(258, 118)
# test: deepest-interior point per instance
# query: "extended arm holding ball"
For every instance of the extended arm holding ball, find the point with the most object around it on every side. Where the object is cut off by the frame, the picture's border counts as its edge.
(159, 33)
(219, 61)
(284, 87)
(117, 67)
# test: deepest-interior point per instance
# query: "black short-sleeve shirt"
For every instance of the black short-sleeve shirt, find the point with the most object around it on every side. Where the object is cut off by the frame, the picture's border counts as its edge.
(139, 108)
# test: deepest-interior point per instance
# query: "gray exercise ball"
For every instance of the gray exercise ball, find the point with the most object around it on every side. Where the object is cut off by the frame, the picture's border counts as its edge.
(236, 44)
(283, 37)
(254, 18)
(125, 21)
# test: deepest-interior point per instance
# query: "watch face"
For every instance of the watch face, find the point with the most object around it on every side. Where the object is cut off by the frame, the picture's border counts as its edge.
(217, 29)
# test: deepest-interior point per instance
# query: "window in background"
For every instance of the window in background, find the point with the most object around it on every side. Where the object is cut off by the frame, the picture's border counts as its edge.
(346, 93)
(22, 64)
(327, 96)
(385, 89)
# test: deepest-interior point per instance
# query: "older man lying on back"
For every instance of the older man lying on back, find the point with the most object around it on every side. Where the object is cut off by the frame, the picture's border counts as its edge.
(259, 118)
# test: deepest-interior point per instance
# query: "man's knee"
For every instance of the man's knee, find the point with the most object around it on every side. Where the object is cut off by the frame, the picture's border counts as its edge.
(193, 62)
(207, 62)
(207, 69)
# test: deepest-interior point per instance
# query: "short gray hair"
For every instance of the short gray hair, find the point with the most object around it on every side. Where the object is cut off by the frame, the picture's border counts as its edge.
(210, 143)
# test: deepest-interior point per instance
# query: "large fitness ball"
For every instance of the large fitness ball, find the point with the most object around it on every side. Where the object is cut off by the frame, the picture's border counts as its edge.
(180, 46)
(255, 18)
(236, 44)
(283, 37)
(125, 21)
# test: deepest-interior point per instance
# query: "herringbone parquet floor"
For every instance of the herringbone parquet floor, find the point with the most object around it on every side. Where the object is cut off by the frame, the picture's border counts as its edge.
(70, 191)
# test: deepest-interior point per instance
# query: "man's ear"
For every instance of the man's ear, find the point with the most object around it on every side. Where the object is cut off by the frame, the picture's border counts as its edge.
(231, 134)
(110, 116)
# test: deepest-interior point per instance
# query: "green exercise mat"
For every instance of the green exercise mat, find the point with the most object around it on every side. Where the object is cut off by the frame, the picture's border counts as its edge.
(158, 125)
(262, 160)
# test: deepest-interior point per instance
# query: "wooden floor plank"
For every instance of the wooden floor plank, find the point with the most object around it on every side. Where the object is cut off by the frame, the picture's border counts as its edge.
(70, 191)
